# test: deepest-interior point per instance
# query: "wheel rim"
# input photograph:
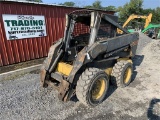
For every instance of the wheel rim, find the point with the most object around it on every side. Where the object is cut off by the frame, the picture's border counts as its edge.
(98, 88)
(127, 75)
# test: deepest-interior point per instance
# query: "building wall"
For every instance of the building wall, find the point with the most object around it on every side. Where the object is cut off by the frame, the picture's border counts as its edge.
(15, 51)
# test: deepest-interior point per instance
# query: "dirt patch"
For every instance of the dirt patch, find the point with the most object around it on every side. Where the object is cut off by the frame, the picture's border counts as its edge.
(21, 65)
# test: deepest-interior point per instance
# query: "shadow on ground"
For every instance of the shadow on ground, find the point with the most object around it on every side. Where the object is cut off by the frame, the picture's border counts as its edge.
(21, 65)
(137, 60)
(152, 112)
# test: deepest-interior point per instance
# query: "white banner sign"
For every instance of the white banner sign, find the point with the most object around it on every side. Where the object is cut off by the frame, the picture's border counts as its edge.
(24, 26)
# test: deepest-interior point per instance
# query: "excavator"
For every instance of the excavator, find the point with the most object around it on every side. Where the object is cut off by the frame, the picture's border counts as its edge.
(133, 16)
(152, 30)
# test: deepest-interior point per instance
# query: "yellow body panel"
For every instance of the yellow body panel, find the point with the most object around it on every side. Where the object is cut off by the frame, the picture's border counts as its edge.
(127, 76)
(64, 68)
(108, 71)
(127, 59)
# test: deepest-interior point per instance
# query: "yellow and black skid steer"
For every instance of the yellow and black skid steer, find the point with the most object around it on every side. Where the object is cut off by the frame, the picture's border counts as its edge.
(89, 57)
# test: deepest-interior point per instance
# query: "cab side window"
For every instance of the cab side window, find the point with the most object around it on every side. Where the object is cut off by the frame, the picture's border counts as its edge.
(106, 30)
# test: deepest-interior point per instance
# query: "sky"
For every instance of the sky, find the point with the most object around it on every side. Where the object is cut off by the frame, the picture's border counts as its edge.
(117, 3)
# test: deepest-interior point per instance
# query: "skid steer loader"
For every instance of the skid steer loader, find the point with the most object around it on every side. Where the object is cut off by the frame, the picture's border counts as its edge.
(89, 57)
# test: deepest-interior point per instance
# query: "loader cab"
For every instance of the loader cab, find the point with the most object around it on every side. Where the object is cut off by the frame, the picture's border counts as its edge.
(84, 28)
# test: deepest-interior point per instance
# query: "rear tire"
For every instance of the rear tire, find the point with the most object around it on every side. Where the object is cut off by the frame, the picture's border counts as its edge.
(92, 86)
(122, 73)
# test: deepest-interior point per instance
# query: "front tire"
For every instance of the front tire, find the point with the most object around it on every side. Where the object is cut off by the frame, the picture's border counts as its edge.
(92, 86)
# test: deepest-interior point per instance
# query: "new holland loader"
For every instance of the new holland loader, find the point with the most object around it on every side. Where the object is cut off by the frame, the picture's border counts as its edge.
(89, 57)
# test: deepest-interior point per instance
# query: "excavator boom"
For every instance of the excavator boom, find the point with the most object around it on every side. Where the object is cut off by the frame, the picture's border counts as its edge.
(131, 17)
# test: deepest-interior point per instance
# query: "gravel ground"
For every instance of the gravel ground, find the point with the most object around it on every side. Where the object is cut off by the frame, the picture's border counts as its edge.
(143, 41)
(22, 98)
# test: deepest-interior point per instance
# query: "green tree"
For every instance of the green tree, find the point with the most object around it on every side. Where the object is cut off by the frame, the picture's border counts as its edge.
(155, 14)
(95, 5)
(147, 11)
(133, 7)
(110, 8)
(70, 4)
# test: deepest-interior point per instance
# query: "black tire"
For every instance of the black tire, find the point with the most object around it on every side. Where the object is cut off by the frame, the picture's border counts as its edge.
(87, 82)
(120, 76)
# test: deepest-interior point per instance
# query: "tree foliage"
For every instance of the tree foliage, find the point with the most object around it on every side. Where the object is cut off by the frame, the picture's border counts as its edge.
(156, 15)
(97, 5)
(70, 4)
(133, 7)
(110, 8)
